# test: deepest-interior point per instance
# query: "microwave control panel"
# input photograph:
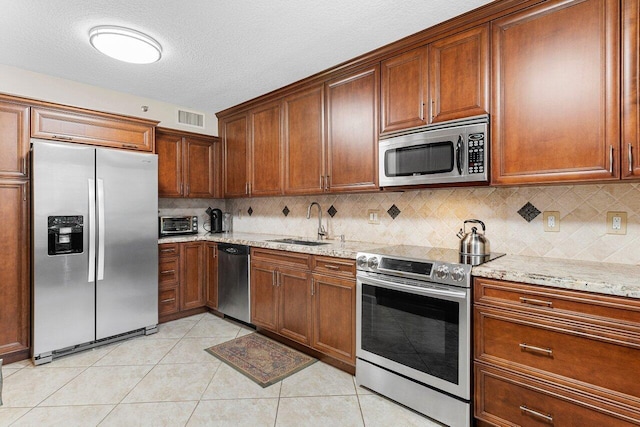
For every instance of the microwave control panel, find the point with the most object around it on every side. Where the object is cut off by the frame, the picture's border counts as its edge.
(476, 153)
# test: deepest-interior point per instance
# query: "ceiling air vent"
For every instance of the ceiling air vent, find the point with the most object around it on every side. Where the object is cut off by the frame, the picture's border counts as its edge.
(191, 118)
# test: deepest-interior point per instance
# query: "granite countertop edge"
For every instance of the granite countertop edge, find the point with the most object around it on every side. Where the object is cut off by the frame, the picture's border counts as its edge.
(590, 276)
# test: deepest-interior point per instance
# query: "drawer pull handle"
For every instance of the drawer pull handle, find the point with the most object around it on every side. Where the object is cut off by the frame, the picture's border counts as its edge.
(545, 351)
(548, 418)
(168, 300)
(332, 267)
(129, 146)
(525, 300)
(167, 271)
(64, 138)
(168, 250)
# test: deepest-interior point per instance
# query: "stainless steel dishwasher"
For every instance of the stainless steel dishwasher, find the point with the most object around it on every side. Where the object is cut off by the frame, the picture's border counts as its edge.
(233, 281)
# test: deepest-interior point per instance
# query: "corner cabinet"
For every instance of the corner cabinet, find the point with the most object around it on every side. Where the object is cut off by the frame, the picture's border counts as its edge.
(187, 164)
(15, 253)
(546, 356)
(630, 149)
(556, 97)
(91, 127)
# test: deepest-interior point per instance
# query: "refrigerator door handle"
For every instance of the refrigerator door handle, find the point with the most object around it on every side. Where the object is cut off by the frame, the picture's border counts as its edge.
(100, 229)
(92, 230)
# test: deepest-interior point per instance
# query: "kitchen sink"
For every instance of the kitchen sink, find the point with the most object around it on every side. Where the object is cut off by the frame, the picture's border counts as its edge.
(299, 242)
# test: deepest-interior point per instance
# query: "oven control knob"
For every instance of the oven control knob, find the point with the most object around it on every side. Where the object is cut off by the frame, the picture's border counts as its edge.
(458, 274)
(373, 263)
(362, 261)
(442, 272)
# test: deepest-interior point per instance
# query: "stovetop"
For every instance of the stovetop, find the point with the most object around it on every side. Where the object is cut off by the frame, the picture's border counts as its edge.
(429, 254)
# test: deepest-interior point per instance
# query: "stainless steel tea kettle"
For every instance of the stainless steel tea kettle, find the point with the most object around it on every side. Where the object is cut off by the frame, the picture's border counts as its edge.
(472, 243)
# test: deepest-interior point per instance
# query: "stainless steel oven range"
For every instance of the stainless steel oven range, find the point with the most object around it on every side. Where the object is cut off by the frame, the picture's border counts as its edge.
(413, 329)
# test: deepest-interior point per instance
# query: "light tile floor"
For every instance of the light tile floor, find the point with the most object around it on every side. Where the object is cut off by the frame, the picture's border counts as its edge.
(167, 379)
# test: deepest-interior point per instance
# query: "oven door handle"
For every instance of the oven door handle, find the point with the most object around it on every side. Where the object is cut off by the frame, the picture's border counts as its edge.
(460, 295)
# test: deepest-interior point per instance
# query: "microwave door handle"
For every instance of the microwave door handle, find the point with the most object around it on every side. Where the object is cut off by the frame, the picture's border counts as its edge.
(459, 148)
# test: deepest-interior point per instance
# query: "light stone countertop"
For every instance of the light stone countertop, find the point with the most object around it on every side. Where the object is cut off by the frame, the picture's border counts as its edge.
(333, 248)
(599, 277)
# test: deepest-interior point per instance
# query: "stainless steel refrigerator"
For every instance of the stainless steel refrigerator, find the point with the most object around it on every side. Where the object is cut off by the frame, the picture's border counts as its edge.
(95, 246)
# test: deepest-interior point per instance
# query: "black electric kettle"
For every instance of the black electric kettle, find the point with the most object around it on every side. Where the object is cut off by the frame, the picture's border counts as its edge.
(216, 219)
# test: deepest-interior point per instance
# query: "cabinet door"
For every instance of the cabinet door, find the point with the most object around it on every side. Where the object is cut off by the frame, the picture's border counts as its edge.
(404, 90)
(304, 141)
(556, 93)
(352, 131)
(235, 137)
(266, 150)
(630, 89)
(198, 153)
(334, 317)
(192, 293)
(169, 150)
(264, 296)
(211, 282)
(459, 75)
(295, 305)
(14, 140)
(15, 308)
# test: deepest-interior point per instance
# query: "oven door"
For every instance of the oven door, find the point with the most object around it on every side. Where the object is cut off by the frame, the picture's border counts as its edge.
(417, 329)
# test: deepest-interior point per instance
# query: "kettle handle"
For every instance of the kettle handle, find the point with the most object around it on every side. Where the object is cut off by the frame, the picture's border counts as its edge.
(477, 221)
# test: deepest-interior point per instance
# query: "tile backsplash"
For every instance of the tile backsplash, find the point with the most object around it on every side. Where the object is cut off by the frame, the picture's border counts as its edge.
(432, 217)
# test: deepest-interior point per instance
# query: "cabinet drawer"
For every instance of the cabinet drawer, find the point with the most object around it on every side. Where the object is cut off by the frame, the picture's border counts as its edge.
(334, 266)
(584, 357)
(168, 250)
(168, 271)
(601, 308)
(95, 128)
(168, 301)
(292, 259)
(506, 398)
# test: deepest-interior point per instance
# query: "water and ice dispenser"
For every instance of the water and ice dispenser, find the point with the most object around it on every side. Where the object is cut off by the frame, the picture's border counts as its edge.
(65, 235)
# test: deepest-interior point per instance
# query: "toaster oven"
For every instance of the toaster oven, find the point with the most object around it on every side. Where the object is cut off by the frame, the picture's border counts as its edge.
(173, 225)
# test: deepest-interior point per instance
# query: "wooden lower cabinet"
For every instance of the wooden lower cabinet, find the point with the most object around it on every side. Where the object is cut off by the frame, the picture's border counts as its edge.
(15, 297)
(307, 299)
(334, 316)
(211, 279)
(546, 356)
(192, 294)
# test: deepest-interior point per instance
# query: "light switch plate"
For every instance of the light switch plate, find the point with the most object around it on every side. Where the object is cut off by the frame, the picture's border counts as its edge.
(373, 216)
(616, 222)
(551, 221)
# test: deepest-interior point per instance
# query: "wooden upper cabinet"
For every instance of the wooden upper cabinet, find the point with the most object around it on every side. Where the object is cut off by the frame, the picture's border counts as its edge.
(170, 174)
(556, 114)
(91, 127)
(352, 131)
(404, 90)
(199, 167)
(186, 164)
(235, 139)
(630, 149)
(459, 75)
(266, 150)
(304, 141)
(14, 140)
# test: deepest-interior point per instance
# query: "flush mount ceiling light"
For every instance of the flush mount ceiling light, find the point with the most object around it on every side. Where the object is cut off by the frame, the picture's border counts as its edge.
(125, 44)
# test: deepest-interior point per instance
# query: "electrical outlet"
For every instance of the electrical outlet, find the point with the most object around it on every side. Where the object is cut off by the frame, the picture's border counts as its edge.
(616, 223)
(551, 220)
(373, 216)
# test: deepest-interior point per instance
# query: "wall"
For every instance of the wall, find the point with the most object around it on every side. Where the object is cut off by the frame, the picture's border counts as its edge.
(16, 81)
(432, 218)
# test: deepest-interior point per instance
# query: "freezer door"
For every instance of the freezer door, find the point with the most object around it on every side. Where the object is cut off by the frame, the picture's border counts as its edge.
(63, 291)
(127, 267)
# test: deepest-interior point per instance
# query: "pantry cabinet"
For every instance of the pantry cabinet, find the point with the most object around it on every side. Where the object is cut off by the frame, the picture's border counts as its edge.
(71, 124)
(630, 149)
(542, 354)
(556, 98)
(186, 164)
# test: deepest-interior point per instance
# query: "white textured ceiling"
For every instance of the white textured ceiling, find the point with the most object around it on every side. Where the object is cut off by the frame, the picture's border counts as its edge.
(216, 53)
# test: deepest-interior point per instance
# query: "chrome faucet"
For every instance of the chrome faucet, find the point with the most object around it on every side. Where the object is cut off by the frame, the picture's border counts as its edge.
(321, 231)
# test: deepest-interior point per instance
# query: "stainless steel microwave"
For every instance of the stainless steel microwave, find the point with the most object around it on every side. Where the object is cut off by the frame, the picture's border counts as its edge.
(450, 152)
(172, 225)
